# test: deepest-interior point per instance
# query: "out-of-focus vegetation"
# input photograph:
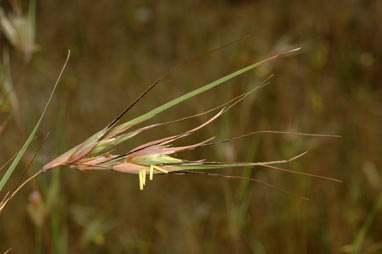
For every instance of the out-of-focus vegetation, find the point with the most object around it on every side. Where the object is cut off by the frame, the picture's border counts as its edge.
(119, 48)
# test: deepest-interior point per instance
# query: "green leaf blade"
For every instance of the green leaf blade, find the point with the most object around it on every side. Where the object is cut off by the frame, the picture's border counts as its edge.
(191, 94)
(23, 149)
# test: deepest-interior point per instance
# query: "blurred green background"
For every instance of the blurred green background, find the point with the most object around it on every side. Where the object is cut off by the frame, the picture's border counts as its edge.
(332, 85)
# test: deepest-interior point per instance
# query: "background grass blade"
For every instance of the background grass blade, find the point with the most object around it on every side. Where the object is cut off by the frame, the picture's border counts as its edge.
(20, 154)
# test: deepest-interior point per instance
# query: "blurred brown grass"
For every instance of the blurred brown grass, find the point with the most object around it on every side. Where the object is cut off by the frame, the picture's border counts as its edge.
(119, 48)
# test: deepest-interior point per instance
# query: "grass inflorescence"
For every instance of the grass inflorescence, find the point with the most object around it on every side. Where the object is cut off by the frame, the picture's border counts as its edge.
(155, 157)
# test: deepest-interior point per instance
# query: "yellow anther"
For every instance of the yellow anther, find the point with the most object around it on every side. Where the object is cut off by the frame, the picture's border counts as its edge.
(140, 180)
(144, 177)
(160, 169)
(151, 172)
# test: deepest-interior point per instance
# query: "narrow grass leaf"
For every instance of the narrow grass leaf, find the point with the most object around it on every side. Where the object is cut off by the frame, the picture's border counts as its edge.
(20, 154)
(191, 94)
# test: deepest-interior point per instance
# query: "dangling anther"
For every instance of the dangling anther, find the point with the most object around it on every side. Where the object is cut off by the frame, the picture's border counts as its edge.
(142, 179)
(151, 172)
